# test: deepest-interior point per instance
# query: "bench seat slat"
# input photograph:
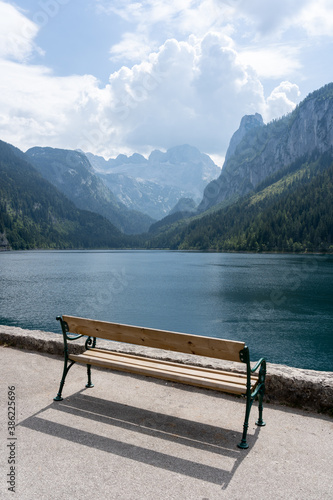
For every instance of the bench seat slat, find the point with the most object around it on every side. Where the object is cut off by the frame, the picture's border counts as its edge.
(237, 378)
(160, 339)
(187, 374)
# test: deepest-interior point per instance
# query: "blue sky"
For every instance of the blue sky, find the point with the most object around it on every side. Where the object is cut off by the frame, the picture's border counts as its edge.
(114, 77)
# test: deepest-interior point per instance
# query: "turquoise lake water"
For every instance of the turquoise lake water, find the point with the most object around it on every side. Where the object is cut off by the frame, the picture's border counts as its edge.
(280, 305)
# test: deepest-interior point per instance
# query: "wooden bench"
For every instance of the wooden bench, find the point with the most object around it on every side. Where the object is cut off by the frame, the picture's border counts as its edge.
(249, 384)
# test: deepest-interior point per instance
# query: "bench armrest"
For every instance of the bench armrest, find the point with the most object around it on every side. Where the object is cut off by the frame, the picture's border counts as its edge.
(261, 363)
(260, 387)
(65, 330)
(90, 341)
(74, 338)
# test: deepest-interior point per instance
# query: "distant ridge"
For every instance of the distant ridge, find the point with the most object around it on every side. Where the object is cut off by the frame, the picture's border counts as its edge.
(155, 185)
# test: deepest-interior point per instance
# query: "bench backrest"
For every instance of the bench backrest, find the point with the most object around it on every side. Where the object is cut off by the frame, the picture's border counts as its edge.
(160, 339)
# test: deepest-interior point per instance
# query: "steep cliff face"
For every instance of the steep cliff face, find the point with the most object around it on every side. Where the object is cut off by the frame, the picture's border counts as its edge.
(248, 122)
(263, 150)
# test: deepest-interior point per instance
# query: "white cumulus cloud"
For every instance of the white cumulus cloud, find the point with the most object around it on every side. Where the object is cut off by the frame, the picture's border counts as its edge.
(187, 92)
(186, 88)
(274, 61)
(274, 16)
(281, 100)
(17, 33)
(317, 18)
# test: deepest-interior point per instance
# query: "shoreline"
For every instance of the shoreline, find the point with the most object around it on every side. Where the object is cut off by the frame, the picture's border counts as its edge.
(295, 387)
(158, 249)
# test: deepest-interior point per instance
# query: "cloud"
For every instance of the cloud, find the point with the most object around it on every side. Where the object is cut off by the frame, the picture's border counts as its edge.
(154, 21)
(317, 18)
(274, 61)
(17, 33)
(132, 47)
(187, 92)
(192, 89)
(278, 17)
(260, 18)
(273, 17)
(281, 100)
(37, 108)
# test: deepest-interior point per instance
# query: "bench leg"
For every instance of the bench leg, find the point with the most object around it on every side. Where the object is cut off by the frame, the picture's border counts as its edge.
(243, 444)
(260, 421)
(66, 369)
(89, 384)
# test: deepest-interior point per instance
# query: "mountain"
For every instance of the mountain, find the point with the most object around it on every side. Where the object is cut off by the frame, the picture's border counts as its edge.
(154, 185)
(145, 196)
(184, 209)
(184, 205)
(71, 172)
(248, 122)
(276, 193)
(262, 150)
(34, 214)
(292, 214)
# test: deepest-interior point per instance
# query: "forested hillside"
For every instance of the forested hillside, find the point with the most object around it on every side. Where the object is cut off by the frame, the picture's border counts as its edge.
(33, 214)
(290, 212)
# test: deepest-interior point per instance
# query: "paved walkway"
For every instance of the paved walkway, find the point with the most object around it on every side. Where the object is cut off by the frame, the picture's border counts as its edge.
(133, 438)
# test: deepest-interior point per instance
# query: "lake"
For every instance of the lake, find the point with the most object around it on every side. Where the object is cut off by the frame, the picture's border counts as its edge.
(280, 305)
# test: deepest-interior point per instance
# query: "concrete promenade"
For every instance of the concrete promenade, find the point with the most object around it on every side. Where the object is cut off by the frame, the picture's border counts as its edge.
(131, 437)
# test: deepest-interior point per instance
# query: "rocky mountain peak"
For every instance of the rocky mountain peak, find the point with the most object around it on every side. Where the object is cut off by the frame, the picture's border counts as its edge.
(247, 123)
(154, 185)
(178, 155)
(122, 159)
(184, 153)
(55, 160)
(262, 150)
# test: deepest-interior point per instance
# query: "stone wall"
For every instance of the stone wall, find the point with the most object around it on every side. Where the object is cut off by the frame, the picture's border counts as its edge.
(305, 389)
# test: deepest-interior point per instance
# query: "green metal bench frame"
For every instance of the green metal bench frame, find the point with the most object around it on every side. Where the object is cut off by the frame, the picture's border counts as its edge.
(251, 394)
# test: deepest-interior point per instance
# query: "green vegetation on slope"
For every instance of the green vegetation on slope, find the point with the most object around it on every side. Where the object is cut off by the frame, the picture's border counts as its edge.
(33, 214)
(292, 214)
